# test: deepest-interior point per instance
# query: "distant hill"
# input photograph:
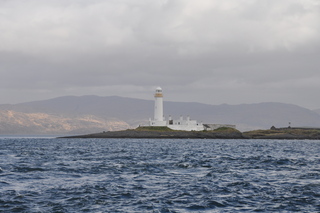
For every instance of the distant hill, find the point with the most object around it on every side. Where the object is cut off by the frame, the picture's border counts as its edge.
(250, 116)
(88, 114)
(12, 122)
(317, 111)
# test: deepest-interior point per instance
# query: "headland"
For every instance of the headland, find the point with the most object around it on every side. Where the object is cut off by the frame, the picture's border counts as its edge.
(220, 133)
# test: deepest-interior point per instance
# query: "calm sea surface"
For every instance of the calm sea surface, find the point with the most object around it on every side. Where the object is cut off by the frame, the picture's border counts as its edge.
(154, 175)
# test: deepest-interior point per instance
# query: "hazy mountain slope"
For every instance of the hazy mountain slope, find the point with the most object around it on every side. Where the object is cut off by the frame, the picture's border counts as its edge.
(317, 111)
(130, 112)
(41, 123)
(105, 107)
(262, 115)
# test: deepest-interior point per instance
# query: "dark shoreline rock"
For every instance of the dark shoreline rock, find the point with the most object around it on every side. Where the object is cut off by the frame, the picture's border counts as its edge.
(162, 134)
(259, 134)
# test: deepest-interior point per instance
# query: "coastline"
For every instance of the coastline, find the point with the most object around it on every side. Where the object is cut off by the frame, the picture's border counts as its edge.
(161, 134)
(285, 134)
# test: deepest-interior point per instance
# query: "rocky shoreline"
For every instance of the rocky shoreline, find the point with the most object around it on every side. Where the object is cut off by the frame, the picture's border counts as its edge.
(258, 134)
(161, 134)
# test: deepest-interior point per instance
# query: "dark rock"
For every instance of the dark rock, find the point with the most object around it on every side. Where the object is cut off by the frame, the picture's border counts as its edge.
(259, 134)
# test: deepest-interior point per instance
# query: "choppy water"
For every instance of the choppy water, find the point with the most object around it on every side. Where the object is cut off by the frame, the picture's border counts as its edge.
(152, 175)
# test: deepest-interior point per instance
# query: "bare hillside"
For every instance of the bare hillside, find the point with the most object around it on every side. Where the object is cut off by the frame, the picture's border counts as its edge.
(87, 114)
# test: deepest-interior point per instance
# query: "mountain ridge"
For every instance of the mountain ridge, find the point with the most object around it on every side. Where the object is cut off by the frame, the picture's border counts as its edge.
(131, 112)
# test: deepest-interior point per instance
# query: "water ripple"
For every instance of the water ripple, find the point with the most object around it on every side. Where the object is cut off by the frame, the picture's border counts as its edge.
(149, 175)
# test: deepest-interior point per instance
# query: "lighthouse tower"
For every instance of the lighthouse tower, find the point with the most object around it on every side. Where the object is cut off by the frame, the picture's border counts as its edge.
(158, 119)
(158, 105)
(177, 124)
(180, 124)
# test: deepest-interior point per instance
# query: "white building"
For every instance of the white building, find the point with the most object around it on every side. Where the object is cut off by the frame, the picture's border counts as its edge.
(180, 124)
(158, 109)
(187, 125)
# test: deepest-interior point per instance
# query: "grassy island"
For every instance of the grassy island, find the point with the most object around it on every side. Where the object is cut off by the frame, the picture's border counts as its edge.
(220, 133)
(284, 133)
(165, 132)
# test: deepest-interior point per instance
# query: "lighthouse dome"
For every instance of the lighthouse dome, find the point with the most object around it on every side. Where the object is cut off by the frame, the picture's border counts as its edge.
(158, 89)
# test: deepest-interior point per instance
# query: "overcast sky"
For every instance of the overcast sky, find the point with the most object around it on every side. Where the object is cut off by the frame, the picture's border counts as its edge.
(209, 51)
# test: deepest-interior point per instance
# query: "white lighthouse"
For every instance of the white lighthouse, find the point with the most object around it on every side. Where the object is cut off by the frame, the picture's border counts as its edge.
(158, 109)
(178, 124)
(158, 105)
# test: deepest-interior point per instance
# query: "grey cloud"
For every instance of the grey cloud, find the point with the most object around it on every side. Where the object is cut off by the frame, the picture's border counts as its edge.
(232, 51)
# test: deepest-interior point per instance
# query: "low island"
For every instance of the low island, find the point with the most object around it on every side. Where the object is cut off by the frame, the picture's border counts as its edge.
(220, 133)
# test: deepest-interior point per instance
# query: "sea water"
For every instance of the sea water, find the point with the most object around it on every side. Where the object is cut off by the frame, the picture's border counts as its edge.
(159, 175)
